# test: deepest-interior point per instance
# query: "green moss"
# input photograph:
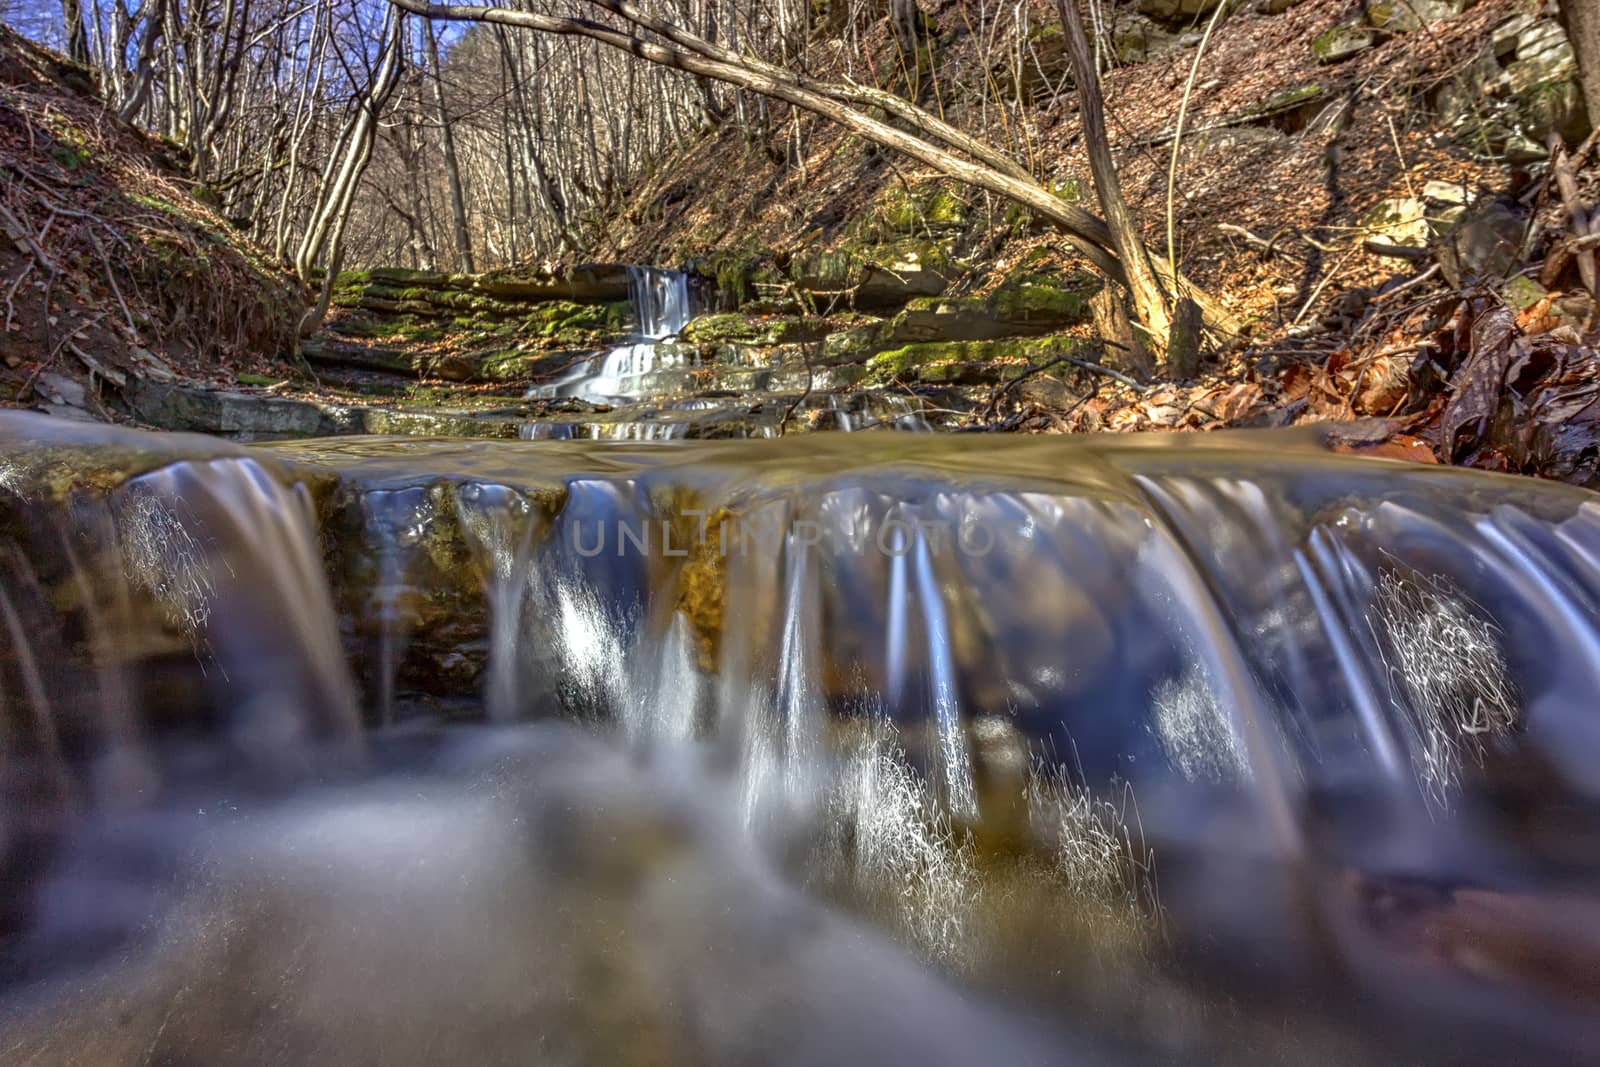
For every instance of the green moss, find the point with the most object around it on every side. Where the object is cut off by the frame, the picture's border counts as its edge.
(1522, 292)
(1341, 42)
(1287, 100)
(403, 276)
(956, 361)
(901, 212)
(744, 329)
(1048, 302)
(945, 208)
(1069, 190)
(1553, 106)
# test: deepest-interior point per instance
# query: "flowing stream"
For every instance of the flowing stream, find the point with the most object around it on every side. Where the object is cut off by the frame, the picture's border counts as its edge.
(904, 749)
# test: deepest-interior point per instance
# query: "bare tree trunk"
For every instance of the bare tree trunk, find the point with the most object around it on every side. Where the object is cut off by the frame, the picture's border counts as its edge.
(1126, 350)
(1149, 302)
(1582, 20)
(77, 32)
(325, 232)
(144, 70)
(452, 165)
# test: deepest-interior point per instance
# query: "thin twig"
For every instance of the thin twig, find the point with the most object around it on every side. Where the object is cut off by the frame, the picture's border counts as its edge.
(11, 292)
(1323, 284)
(1177, 136)
(111, 276)
(1409, 283)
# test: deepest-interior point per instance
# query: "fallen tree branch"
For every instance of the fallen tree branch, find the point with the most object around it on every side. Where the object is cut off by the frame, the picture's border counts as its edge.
(1082, 364)
(1561, 168)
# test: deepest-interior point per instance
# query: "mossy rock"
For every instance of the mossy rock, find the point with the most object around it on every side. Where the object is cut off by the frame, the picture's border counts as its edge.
(1068, 190)
(1029, 304)
(1522, 292)
(594, 283)
(1288, 100)
(855, 342)
(966, 362)
(1554, 106)
(1338, 43)
(738, 329)
(906, 212)
(1403, 16)
(732, 275)
(876, 274)
(404, 277)
(1138, 39)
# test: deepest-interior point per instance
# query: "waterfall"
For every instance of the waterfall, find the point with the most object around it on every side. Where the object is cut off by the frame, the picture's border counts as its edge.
(662, 306)
(661, 301)
(1081, 718)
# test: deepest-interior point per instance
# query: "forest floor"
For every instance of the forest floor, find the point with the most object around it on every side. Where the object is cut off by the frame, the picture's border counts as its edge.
(1296, 181)
(113, 267)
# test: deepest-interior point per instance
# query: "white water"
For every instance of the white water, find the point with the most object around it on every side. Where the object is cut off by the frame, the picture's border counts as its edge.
(662, 307)
(1326, 668)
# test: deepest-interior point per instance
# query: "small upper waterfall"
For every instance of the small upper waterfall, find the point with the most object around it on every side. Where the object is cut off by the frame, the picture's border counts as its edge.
(662, 306)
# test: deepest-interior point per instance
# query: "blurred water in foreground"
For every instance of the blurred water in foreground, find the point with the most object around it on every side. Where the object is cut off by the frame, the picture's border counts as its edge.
(916, 750)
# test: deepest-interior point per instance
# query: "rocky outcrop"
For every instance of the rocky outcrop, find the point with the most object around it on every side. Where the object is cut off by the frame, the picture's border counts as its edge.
(1521, 87)
(587, 297)
(1403, 16)
(255, 416)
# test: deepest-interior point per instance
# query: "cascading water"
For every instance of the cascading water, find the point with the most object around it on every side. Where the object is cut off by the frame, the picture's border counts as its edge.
(662, 307)
(1204, 748)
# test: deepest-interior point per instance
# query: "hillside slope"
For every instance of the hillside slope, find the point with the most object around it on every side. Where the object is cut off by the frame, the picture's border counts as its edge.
(112, 271)
(1368, 186)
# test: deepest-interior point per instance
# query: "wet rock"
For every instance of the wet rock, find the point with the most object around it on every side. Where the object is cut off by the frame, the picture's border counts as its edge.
(59, 390)
(180, 407)
(856, 342)
(249, 417)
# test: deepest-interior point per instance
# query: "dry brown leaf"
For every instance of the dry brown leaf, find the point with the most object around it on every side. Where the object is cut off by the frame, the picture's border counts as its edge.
(1477, 383)
(1536, 318)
